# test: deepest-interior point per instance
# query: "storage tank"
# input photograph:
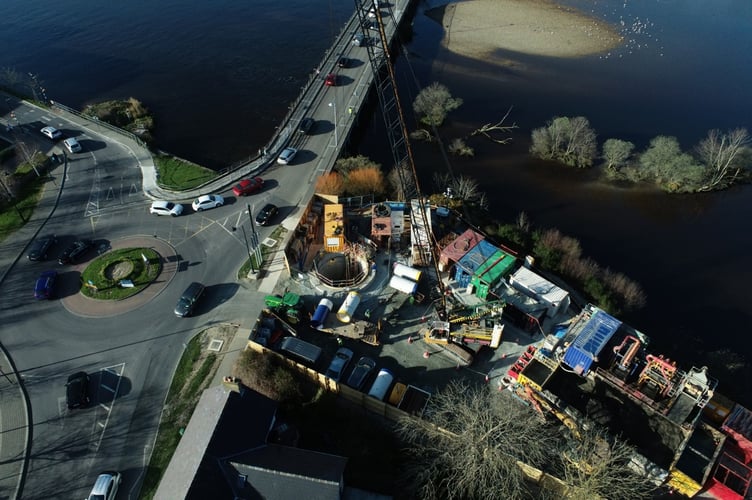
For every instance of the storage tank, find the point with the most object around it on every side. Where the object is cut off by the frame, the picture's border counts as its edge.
(322, 310)
(348, 307)
(404, 285)
(406, 272)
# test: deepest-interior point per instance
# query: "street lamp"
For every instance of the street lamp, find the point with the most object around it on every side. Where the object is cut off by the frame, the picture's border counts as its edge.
(334, 105)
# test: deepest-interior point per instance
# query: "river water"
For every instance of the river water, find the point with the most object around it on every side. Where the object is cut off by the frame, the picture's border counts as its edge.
(219, 77)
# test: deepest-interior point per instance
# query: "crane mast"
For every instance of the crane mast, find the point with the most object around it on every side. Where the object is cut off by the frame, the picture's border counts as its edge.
(394, 119)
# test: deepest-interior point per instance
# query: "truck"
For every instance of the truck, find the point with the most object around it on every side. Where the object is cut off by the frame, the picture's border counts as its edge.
(289, 305)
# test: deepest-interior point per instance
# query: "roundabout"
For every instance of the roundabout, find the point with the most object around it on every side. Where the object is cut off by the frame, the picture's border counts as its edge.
(129, 275)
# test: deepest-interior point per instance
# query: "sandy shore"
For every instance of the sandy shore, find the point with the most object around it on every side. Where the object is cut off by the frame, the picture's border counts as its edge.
(489, 29)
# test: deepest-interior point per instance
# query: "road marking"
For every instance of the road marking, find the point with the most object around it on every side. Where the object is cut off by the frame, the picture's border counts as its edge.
(116, 371)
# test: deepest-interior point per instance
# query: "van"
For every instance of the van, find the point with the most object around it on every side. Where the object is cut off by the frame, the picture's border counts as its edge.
(300, 349)
(381, 385)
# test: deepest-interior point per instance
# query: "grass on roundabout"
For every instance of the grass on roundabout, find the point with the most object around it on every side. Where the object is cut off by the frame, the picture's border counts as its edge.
(102, 278)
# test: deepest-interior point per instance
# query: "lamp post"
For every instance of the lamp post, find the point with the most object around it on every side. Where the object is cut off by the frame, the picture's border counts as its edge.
(334, 105)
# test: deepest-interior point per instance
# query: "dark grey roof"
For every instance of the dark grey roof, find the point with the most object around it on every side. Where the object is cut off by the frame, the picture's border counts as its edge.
(281, 472)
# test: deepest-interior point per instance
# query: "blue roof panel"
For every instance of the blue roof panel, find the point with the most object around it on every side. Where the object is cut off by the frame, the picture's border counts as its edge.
(472, 260)
(590, 341)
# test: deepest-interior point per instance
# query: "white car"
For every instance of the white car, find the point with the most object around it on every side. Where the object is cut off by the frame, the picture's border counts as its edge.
(286, 156)
(72, 145)
(52, 133)
(106, 486)
(166, 208)
(207, 201)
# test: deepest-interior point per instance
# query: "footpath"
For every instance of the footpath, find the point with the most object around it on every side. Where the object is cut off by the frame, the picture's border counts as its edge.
(15, 431)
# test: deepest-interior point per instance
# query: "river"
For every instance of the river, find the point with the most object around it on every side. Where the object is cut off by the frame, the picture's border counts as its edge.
(219, 76)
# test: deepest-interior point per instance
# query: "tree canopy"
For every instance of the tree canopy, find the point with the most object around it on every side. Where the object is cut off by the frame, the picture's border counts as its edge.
(433, 103)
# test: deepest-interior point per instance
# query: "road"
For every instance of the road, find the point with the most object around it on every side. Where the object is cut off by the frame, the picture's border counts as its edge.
(131, 356)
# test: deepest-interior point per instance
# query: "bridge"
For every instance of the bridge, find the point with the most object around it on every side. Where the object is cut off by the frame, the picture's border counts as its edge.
(336, 107)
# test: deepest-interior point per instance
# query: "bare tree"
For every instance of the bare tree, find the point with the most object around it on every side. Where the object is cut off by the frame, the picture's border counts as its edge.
(571, 141)
(433, 103)
(721, 154)
(498, 127)
(616, 153)
(401, 180)
(460, 148)
(470, 444)
(465, 188)
(596, 465)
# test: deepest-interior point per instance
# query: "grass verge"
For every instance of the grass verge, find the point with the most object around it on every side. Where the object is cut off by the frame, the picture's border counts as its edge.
(98, 282)
(194, 369)
(13, 217)
(179, 175)
(266, 251)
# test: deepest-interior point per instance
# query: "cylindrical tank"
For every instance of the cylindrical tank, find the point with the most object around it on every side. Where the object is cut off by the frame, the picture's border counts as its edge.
(404, 285)
(322, 310)
(348, 307)
(406, 272)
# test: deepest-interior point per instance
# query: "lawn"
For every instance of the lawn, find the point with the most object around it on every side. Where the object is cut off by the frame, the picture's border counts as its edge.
(101, 279)
(179, 175)
(266, 251)
(13, 217)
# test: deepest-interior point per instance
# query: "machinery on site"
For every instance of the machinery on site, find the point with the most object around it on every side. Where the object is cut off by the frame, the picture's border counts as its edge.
(289, 306)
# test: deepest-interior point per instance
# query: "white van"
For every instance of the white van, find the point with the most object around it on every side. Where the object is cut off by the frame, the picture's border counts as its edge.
(381, 385)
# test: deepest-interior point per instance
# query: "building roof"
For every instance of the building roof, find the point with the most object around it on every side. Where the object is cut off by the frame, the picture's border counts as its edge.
(596, 332)
(213, 431)
(476, 256)
(462, 244)
(282, 472)
(540, 288)
(497, 265)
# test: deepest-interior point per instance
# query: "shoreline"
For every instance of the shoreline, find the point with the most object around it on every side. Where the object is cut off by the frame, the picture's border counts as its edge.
(494, 30)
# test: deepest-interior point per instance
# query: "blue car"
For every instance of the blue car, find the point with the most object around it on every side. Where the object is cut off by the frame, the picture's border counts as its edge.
(45, 285)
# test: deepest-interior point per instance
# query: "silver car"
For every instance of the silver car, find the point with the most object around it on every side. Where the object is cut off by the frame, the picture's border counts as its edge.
(286, 156)
(166, 208)
(339, 363)
(207, 201)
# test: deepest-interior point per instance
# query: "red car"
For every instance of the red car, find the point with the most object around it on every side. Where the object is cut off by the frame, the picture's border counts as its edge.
(331, 80)
(248, 186)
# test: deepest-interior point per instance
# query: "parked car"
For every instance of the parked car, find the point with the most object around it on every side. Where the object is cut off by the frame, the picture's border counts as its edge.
(363, 368)
(344, 62)
(331, 80)
(339, 364)
(74, 251)
(72, 145)
(266, 214)
(248, 186)
(105, 487)
(286, 156)
(45, 285)
(166, 208)
(40, 247)
(52, 133)
(381, 384)
(207, 201)
(305, 125)
(188, 299)
(77, 390)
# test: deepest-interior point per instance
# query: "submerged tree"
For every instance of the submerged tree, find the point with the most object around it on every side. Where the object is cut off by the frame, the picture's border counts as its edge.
(571, 141)
(723, 157)
(433, 103)
(669, 167)
(616, 153)
(470, 444)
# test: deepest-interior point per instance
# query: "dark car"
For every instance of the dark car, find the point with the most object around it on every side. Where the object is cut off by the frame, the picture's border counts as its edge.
(40, 247)
(77, 390)
(360, 373)
(45, 285)
(248, 186)
(74, 251)
(305, 125)
(188, 300)
(266, 214)
(344, 62)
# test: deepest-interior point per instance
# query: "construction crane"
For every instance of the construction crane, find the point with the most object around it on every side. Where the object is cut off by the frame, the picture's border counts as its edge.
(371, 16)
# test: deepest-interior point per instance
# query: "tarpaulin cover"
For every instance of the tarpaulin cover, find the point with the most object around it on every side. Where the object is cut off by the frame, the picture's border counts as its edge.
(588, 344)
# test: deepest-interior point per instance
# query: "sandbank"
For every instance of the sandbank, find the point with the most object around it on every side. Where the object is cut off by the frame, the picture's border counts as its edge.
(491, 29)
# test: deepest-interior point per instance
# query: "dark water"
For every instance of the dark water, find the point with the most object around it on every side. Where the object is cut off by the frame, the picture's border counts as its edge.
(219, 76)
